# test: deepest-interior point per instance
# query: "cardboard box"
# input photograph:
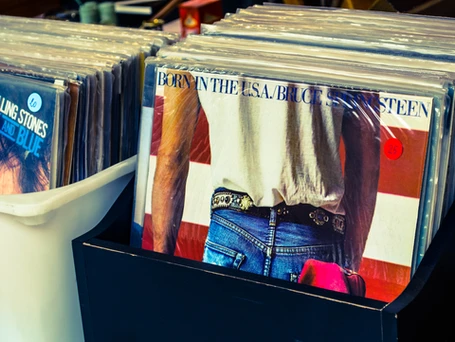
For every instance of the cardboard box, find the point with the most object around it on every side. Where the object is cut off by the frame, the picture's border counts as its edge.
(193, 13)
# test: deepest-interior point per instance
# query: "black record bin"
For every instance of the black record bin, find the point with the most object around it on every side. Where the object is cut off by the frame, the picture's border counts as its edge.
(128, 294)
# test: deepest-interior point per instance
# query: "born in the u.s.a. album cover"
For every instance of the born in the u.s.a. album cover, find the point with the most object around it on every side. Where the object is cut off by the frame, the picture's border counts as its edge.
(283, 179)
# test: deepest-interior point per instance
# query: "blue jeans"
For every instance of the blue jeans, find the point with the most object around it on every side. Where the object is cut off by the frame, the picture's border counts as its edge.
(268, 246)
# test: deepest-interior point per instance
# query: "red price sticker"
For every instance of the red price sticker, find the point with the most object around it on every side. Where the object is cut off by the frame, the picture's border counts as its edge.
(393, 148)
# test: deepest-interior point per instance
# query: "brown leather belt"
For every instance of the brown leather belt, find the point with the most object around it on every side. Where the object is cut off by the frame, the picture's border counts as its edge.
(305, 214)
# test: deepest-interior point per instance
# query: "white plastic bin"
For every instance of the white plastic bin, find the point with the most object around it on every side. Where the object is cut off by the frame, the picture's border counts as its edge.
(38, 291)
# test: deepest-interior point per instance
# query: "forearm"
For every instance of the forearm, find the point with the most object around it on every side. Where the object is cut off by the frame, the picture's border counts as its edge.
(168, 194)
(168, 197)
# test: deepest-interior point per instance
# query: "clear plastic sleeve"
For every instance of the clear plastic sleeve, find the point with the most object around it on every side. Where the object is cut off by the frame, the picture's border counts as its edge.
(251, 103)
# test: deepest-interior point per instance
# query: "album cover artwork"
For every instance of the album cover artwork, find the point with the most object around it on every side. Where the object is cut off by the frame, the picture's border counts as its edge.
(29, 111)
(287, 180)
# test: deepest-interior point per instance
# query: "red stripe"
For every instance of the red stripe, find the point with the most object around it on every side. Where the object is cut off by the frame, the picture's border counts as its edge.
(190, 242)
(200, 147)
(147, 239)
(404, 175)
(157, 122)
(384, 281)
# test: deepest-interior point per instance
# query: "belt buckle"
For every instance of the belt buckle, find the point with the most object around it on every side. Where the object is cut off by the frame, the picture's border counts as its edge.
(245, 202)
(319, 217)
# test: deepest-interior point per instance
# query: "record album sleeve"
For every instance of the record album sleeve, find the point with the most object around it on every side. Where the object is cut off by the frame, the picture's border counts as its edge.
(29, 119)
(218, 150)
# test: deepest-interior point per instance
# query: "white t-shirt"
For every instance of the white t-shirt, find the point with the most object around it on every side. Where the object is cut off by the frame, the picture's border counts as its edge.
(276, 150)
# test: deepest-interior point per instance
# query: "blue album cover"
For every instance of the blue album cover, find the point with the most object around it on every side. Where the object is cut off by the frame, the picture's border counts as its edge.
(28, 109)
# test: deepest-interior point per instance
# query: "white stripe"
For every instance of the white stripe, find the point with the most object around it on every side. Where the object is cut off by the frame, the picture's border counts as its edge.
(197, 208)
(393, 229)
(151, 174)
(159, 91)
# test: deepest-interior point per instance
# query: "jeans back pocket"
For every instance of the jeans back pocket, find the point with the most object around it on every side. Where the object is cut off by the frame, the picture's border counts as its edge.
(216, 254)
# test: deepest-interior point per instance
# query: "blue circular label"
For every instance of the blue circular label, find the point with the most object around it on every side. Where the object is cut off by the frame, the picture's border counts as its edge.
(34, 102)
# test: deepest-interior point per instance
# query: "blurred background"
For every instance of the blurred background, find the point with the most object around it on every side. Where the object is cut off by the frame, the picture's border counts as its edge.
(133, 13)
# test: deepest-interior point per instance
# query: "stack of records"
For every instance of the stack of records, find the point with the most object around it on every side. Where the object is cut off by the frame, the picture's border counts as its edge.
(305, 144)
(70, 99)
